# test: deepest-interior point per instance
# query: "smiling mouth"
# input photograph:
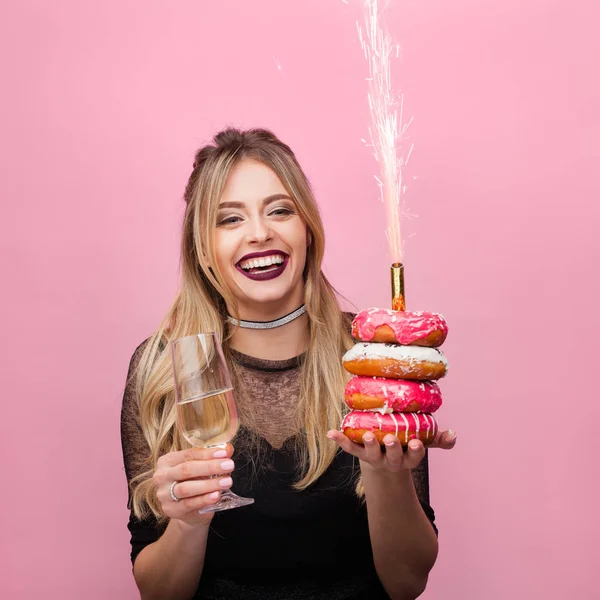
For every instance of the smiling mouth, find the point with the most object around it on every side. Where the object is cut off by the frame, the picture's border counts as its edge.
(263, 266)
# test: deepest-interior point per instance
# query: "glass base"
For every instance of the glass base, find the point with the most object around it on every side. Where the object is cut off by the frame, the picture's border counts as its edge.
(228, 500)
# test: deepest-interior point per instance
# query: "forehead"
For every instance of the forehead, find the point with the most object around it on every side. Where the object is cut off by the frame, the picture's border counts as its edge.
(250, 181)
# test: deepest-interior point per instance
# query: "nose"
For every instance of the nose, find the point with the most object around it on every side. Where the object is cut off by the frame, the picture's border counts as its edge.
(258, 231)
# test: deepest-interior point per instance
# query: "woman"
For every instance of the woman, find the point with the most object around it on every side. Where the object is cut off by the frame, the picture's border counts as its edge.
(324, 524)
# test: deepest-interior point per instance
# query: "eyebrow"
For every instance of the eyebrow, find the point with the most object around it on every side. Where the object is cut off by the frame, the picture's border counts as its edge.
(266, 201)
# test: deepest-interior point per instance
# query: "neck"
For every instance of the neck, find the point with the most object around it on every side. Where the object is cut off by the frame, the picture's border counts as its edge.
(280, 343)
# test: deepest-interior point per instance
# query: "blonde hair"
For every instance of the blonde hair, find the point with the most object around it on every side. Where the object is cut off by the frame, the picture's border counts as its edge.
(201, 306)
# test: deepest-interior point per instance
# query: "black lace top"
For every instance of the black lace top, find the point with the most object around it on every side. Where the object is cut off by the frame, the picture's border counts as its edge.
(289, 544)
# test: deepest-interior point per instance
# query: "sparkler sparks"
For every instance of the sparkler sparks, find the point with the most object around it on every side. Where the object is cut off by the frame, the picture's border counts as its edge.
(388, 128)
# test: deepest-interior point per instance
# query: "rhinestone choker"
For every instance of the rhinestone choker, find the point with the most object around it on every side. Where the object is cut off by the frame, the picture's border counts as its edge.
(268, 324)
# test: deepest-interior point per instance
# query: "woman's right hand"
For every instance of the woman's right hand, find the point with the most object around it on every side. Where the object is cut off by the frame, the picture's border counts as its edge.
(191, 469)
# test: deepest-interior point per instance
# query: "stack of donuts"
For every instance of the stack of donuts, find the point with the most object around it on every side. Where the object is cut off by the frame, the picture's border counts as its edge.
(395, 364)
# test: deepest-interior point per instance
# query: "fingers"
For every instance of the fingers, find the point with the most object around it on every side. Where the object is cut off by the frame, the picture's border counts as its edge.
(189, 506)
(193, 469)
(394, 459)
(173, 459)
(369, 452)
(373, 453)
(193, 493)
(445, 440)
(346, 444)
(196, 503)
(397, 458)
(198, 487)
(414, 454)
(394, 453)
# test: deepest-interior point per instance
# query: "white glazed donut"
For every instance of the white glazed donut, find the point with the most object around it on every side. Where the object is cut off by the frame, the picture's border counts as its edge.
(396, 362)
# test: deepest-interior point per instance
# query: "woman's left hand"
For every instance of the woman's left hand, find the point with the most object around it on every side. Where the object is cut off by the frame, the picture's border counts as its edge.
(394, 459)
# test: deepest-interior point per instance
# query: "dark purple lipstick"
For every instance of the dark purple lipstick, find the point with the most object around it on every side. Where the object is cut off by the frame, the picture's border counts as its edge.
(268, 271)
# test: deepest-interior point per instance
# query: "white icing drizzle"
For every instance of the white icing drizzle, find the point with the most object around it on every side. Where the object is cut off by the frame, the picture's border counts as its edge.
(417, 424)
(433, 425)
(407, 426)
(364, 350)
(396, 422)
(428, 424)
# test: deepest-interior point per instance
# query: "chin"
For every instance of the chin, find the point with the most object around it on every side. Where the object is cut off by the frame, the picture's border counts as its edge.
(276, 296)
(268, 298)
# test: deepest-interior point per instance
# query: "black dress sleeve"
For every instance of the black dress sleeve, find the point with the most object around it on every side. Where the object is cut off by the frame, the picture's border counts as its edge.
(135, 451)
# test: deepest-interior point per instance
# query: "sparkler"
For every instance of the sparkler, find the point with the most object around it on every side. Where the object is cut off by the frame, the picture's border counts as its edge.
(398, 297)
(386, 131)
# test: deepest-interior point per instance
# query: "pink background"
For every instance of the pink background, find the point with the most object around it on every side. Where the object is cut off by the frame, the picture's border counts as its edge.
(104, 104)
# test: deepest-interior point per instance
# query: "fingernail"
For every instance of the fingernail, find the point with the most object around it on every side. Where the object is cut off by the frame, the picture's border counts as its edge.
(414, 445)
(227, 465)
(213, 496)
(390, 444)
(220, 454)
(451, 435)
(330, 436)
(369, 437)
(225, 482)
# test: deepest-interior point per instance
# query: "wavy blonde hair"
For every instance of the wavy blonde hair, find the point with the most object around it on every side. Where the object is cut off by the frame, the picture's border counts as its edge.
(201, 306)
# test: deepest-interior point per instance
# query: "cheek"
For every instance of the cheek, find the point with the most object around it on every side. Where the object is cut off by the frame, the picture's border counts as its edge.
(224, 248)
(298, 237)
(303, 240)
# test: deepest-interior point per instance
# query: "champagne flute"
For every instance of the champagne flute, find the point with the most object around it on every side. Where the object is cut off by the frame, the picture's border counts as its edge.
(206, 411)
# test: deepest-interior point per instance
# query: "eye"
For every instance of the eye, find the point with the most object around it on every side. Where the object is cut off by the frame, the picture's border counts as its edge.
(282, 211)
(231, 220)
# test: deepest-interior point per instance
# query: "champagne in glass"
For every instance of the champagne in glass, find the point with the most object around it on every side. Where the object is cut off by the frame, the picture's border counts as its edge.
(209, 420)
(206, 411)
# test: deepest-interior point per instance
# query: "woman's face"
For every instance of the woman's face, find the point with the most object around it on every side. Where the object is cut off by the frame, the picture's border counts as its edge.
(260, 243)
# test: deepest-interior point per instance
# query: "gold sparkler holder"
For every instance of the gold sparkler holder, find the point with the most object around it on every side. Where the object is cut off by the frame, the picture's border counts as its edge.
(398, 298)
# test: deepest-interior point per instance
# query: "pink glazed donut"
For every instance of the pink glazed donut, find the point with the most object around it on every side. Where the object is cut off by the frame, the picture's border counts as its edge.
(404, 327)
(405, 427)
(392, 395)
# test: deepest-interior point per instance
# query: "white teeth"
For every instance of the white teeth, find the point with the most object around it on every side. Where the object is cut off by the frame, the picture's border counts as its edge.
(265, 261)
